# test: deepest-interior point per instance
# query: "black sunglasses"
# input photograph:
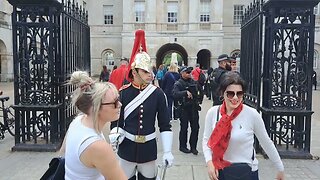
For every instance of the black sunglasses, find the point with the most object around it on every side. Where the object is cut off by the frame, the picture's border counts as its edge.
(230, 94)
(116, 103)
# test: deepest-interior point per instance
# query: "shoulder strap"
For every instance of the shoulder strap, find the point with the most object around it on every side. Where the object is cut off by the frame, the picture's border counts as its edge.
(89, 140)
(139, 100)
(218, 114)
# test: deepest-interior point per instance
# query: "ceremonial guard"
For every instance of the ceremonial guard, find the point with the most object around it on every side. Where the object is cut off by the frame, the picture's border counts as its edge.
(142, 104)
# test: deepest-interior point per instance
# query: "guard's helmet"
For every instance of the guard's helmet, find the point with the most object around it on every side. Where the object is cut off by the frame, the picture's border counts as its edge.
(142, 61)
(139, 56)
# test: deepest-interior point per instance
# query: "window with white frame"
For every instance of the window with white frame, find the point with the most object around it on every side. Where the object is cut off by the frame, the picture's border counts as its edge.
(108, 14)
(237, 13)
(84, 4)
(205, 10)
(172, 12)
(139, 10)
(108, 58)
(315, 59)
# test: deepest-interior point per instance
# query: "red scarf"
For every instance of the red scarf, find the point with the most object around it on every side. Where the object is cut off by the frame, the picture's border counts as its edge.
(219, 139)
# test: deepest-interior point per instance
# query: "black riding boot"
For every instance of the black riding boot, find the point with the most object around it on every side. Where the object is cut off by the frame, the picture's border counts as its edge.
(141, 177)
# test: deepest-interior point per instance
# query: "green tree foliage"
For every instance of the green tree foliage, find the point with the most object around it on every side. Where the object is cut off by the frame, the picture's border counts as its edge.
(167, 59)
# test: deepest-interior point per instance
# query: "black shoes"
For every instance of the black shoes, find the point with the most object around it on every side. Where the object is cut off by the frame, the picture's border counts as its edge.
(184, 150)
(187, 151)
(194, 151)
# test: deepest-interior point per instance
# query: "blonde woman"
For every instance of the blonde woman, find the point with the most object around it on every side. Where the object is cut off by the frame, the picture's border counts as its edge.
(87, 154)
(167, 85)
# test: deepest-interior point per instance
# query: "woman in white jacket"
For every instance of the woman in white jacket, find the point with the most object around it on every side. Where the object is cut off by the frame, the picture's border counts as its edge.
(229, 134)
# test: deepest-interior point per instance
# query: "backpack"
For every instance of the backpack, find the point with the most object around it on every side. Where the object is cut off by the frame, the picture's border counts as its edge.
(217, 75)
(202, 78)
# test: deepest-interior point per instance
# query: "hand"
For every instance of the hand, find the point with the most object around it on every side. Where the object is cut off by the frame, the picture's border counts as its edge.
(116, 137)
(167, 158)
(212, 171)
(280, 175)
(115, 140)
(189, 95)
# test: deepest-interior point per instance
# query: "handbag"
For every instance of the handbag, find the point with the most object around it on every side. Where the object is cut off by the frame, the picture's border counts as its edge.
(56, 169)
(236, 171)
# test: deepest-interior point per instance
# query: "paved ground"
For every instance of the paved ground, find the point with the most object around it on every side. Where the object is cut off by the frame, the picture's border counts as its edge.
(31, 165)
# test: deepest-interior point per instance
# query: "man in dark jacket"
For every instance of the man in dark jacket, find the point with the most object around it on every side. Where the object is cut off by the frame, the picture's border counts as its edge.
(186, 92)
(217, 75)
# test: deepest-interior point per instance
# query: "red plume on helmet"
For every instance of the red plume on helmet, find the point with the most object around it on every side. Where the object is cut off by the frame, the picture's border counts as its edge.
(139, 42)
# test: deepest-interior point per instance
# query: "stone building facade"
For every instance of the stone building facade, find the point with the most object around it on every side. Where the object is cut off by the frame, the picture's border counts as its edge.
(199, 31)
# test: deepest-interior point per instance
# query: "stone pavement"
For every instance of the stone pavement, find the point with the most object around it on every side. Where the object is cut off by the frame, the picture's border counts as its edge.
(31, 165)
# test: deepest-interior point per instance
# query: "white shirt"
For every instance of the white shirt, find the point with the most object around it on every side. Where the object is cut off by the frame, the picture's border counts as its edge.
(79, 137)
(240, 149)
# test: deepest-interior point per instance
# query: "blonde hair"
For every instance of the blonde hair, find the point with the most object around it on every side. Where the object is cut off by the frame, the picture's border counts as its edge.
(89, 94)
(173, 68)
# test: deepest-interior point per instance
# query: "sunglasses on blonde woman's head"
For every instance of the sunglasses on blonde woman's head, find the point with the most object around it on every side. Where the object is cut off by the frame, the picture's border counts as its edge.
(116, 103)
(230, 94)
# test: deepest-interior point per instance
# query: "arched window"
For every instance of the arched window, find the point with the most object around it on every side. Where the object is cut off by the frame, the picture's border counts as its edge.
(108, 58)
(315, 59)
(235, 53)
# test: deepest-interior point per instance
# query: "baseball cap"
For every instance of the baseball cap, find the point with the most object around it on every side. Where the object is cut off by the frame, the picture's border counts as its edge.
(185, 69)
(223, 57)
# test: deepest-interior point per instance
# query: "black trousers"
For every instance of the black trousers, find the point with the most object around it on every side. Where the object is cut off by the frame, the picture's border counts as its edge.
(254, 175)
(189, 115)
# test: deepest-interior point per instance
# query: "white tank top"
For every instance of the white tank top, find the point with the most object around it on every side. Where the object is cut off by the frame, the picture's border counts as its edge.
(79, 137)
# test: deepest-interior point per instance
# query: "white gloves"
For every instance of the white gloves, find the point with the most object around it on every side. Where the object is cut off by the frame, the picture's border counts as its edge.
(116, 137)
(167, 158)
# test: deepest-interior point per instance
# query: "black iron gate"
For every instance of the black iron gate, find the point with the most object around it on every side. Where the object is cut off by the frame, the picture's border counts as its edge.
(251, 54)
(287, 70)
(50, 40)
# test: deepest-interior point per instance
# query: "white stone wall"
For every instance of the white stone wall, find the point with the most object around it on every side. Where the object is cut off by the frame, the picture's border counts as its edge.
(6, 42)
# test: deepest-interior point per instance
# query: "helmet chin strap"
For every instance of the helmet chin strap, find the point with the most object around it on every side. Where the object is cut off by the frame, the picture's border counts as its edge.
(143, 82)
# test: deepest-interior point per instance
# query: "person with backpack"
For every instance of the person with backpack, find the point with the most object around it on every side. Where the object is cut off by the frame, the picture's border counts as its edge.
(217, 75)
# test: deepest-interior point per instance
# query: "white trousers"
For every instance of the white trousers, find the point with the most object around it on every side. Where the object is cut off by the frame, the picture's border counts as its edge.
(148, 169)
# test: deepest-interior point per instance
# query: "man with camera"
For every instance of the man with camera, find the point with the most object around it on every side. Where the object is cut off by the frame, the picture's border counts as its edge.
(186, 92)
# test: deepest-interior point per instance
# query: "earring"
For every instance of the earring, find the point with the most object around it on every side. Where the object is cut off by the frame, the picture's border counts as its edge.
(221, 98)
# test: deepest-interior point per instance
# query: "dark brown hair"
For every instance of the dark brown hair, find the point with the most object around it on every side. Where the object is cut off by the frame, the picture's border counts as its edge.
(229, 78)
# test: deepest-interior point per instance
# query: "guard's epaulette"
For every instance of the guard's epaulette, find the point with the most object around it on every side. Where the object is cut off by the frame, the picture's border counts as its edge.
(125, 86)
